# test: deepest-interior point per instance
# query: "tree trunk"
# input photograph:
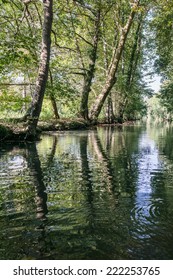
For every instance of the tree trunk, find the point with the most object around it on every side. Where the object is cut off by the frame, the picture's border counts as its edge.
(35, 108)
(109, 110)
(52, 98)
(54, 106)
(131, 68)
(134, 55)
(90, 72)
(112, 70)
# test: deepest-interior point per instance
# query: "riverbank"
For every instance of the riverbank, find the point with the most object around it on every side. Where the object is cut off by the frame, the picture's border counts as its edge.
(15, 130)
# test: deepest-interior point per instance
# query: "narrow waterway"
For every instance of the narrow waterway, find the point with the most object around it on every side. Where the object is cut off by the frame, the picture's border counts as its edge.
(99, 194)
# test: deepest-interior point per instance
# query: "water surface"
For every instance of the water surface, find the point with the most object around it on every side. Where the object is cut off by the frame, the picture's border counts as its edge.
(99, 194)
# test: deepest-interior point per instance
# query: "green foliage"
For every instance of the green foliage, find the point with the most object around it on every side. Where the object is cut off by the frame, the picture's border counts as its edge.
(72, 42)
(12, 100)
(162, 25)
(163, 34)
(166, 95)
(156, 109)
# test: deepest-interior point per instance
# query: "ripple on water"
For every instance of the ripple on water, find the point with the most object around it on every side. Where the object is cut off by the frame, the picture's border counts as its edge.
(147, 215)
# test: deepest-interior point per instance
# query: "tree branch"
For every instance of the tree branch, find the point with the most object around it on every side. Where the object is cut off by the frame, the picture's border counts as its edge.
(14, 84)
(56, 43)
(85, 5)
(86, 41)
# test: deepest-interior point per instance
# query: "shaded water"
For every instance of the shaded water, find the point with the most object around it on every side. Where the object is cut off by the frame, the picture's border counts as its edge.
(99, 194)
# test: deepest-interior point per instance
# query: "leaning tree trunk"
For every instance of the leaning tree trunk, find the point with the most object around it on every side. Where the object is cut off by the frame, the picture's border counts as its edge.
(131, 68)
(89, 75)
(37, 100)
(111, 76)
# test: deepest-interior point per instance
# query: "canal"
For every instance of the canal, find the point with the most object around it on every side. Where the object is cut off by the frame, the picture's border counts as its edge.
(105, 193)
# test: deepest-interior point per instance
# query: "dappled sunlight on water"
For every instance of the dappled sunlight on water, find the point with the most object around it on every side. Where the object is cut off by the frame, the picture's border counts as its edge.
(97, 194)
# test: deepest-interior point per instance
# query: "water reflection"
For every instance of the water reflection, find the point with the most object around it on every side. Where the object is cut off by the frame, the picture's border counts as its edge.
(98, 194)
(87, 181)
(34, 165)
(149, 215)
